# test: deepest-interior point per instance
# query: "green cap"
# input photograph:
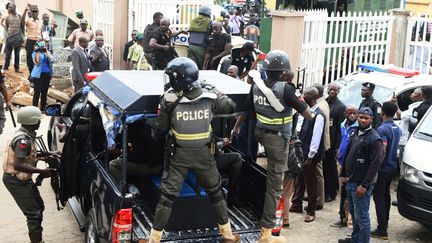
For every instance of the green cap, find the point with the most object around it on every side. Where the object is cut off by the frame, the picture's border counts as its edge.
(79, 12)
(140, 36)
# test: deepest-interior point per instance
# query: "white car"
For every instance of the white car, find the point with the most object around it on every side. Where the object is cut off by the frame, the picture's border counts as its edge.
(386, 85)
(415, 183)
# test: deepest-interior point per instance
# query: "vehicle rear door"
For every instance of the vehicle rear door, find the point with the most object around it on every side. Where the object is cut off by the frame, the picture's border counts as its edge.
(73, 150)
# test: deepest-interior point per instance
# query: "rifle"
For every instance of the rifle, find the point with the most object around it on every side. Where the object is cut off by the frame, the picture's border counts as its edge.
(300, 86)
(52, 160)
(12, 117)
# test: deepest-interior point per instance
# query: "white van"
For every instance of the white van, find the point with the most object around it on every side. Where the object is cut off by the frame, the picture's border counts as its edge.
(415, 183)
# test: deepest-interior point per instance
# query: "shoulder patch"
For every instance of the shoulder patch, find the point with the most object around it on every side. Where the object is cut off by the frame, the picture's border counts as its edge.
(170, 97)
(23, 143)
(379, 109)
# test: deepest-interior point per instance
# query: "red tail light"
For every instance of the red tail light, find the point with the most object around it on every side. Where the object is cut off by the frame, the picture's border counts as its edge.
(92, 75)
(279, 218)
(122, 226)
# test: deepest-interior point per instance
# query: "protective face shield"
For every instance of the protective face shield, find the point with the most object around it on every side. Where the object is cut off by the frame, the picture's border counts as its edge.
(182, 73)
(276, 60)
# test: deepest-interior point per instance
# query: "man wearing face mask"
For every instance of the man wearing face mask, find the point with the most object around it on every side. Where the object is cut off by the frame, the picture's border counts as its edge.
(218, 46)
(360, 172)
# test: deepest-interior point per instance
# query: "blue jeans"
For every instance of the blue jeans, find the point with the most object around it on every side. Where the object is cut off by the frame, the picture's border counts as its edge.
(359, 209)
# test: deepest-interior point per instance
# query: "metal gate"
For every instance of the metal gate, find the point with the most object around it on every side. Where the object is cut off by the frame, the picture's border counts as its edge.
(180, 13)
(103, 19)
(418, 44)
(334, 45)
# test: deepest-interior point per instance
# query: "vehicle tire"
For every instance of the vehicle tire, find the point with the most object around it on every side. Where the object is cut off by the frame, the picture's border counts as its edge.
(91, 234)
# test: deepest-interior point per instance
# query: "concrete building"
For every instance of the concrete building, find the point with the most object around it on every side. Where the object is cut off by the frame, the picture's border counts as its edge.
(420, 7)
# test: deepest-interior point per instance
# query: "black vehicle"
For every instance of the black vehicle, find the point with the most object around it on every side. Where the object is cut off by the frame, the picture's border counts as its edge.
(105, 208)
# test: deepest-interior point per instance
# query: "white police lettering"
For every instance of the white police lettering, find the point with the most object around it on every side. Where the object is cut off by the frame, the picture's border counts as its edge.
(261, 100)
(192, 115)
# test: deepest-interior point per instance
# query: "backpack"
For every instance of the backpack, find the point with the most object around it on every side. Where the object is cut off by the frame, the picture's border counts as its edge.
(295, 159)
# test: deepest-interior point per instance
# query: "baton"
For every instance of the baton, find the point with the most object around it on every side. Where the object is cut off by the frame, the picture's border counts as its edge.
(12, 116)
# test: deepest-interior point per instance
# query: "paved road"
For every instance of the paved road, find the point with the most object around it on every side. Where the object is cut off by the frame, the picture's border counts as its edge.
(61, 227)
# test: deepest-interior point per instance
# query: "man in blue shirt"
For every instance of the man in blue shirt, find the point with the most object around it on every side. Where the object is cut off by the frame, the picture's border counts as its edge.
(390, 134)
(347, 127)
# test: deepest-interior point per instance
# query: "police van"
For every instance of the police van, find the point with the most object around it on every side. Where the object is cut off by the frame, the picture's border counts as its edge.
(92, 130)
(414, 191)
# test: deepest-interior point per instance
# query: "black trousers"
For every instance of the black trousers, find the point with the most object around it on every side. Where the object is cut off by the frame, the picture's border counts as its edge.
(230, 164)
(29, 51)
(16, 51)
(330, 173)
(381, 197)
(342, 204)
(41, 86)
(307, 181)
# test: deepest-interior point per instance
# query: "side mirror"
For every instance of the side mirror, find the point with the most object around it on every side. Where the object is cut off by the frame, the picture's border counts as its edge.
(53, 110)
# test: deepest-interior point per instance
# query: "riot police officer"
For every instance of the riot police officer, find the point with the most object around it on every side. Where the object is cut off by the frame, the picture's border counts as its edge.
(186, 111)
(273, 130)
(369, 101)
(20, 164)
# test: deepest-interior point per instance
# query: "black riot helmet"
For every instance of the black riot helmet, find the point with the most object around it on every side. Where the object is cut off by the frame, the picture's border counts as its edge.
(276, 60)
(182, 73)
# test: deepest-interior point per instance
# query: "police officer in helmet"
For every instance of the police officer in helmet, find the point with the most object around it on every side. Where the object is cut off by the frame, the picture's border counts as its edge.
(186, 111)
(273, 101)
(19, 166)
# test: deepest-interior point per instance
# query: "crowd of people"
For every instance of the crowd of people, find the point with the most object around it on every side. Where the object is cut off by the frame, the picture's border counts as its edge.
(89, 53)
(209, 42)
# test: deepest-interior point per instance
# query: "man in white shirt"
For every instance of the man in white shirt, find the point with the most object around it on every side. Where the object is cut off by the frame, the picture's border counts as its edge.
(312, 138)
(416, 97)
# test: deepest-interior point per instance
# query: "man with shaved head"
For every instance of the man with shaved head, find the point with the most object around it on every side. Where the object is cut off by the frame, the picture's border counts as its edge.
(323, 105)
(337, 109)
(312, 137)
(218, 46)
(233, 71)
(160, 42)
(347, 126)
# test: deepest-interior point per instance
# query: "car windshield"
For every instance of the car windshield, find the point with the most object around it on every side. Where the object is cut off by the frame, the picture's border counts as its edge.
(424, 130)
(350, 92)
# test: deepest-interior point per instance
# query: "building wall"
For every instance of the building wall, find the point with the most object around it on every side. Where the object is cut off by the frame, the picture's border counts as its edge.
(419, 7)
(68, 7)
(373, 5)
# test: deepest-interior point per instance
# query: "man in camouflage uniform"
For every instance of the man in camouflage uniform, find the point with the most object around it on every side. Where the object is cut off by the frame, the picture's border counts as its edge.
(19, 166)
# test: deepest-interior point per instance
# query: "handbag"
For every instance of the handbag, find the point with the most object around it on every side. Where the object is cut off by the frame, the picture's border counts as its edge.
(16, 39)
(295, 158)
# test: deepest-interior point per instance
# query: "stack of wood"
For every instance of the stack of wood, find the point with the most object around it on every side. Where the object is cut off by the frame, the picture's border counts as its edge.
(21, 93)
